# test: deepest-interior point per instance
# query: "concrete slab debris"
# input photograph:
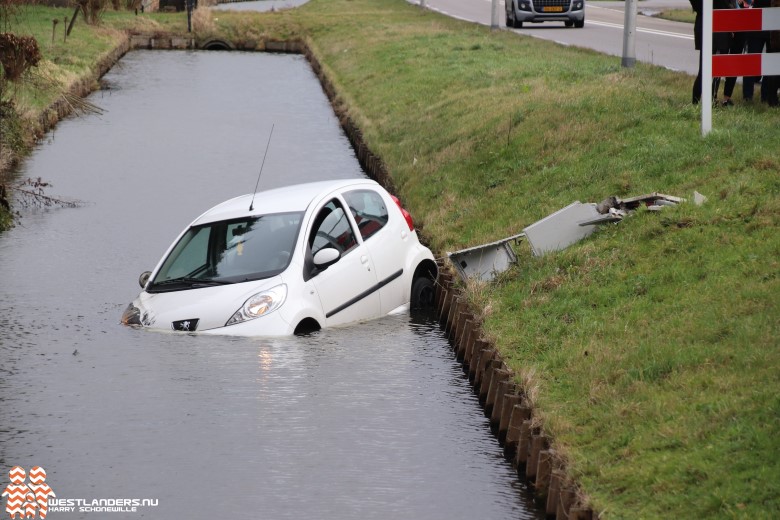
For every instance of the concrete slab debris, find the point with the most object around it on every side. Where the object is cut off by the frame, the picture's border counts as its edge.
(556, 232)
(485, 261)
(562, 228)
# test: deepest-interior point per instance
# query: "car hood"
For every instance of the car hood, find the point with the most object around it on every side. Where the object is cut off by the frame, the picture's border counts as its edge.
(198, 309)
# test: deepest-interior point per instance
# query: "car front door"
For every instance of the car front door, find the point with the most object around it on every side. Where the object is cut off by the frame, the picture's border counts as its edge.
(347, 289)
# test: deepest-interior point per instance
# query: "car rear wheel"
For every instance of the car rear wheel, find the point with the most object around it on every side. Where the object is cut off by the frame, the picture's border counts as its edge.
(423, 293)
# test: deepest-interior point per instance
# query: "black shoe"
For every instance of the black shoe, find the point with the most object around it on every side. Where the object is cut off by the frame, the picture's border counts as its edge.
(727, 103)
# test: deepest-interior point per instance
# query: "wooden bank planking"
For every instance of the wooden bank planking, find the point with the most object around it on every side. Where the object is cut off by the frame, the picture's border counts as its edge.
(504, 400)
(505, 403)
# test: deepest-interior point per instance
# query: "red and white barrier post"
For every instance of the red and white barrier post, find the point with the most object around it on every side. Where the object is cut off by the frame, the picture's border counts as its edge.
(734, 65)
(706, 68)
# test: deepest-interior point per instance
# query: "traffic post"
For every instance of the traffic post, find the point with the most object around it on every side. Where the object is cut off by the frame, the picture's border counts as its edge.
(734, 65)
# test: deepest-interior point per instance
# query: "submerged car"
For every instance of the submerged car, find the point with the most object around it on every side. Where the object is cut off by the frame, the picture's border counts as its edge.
(289, 260)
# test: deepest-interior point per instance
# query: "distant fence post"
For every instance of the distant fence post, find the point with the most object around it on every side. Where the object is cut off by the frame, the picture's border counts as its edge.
(629, 34)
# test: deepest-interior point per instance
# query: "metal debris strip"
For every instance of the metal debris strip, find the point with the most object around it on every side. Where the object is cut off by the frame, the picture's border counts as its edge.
(485, 261)
(613, 209)
(555, 232)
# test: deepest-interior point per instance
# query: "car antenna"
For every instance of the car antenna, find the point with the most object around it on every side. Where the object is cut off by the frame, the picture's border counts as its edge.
(252, 203)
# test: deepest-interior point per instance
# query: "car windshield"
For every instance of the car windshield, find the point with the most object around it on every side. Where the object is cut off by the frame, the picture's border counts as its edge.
(229, 251)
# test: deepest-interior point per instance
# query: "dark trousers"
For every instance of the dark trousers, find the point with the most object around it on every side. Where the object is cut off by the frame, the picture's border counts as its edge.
(696, 93)
(737, 47)
(770, 84)
(755, 45)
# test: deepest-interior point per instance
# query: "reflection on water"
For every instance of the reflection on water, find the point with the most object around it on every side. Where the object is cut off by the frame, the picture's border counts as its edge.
(371, 421)
(259, 5)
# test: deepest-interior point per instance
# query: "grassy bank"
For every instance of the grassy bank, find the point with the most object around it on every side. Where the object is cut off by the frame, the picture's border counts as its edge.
(68, 66)
(678, 15)
(651, 346)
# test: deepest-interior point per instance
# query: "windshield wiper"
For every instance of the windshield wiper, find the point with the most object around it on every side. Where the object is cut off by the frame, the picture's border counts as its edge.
(191, 281)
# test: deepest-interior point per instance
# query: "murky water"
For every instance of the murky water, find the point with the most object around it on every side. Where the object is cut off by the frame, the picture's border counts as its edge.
(259, 5)
(370, 421)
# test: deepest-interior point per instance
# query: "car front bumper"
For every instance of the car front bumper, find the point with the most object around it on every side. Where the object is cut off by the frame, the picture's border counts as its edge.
(527, 11)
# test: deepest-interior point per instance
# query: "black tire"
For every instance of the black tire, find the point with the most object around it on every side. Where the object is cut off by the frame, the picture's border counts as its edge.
(568, 23)
(518, 24)
(510, 22)
(579, 24)
(423, 293)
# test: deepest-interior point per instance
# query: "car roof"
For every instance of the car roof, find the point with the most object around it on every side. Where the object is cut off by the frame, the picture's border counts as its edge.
(293, 198)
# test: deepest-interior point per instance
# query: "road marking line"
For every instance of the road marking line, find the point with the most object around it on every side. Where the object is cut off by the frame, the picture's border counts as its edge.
(445, 13)
(642, 30)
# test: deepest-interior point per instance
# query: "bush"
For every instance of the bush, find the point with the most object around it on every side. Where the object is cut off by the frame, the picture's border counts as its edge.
(92, 10)
(203, 20)
(17, 54)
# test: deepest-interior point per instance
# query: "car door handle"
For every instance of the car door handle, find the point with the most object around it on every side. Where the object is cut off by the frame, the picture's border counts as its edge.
(364, 259)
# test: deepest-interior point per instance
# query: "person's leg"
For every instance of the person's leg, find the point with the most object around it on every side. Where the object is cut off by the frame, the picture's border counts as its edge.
(715, 87)
(772, 83)
(696, 94)
(728, 90)
(755, 45)
(737, 46)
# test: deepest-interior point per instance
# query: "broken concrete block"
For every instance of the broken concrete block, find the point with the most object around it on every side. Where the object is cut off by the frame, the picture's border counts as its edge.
(562, 228)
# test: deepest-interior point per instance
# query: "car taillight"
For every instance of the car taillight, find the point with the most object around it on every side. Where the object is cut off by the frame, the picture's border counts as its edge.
(405, 213)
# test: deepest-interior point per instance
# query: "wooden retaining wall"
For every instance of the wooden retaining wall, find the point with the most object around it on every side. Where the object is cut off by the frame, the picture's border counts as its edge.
(505, 403)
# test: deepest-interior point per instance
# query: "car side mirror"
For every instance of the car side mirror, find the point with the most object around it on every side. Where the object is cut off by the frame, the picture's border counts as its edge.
(144, 278)
(326, 257)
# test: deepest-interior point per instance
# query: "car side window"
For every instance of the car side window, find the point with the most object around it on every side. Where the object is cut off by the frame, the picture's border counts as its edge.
(331, 229)
(369, 210)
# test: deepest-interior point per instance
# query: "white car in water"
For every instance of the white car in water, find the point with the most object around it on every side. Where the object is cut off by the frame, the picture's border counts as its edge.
(289, 260)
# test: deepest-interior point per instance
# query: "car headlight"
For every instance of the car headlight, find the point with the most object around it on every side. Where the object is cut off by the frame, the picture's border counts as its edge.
(131, 316)
(260, 304)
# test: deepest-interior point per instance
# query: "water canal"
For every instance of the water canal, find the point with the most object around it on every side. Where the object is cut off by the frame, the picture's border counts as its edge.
(371, 421)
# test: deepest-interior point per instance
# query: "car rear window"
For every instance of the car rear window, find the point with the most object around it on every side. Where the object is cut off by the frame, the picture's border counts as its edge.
(369, 210)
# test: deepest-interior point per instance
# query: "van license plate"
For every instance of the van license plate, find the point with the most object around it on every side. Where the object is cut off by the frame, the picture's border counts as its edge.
(553, 9)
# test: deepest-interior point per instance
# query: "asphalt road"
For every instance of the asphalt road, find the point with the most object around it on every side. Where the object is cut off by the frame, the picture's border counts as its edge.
(661, 42)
